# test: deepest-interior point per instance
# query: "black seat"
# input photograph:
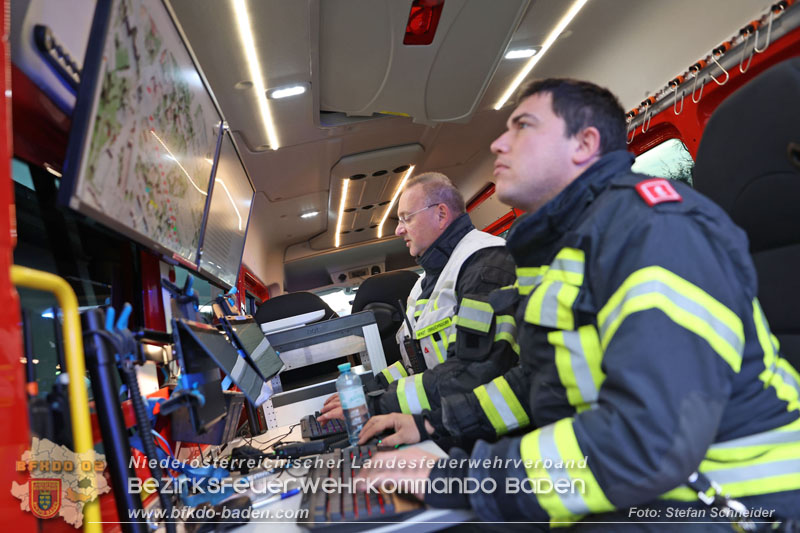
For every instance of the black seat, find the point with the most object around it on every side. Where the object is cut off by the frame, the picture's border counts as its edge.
(294, 303)
(749, 163)
(379, 294)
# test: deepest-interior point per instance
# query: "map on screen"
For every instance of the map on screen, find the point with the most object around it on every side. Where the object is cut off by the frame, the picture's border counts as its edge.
(146, 152)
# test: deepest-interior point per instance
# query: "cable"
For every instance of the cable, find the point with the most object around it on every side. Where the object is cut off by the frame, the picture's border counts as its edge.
(143, 421)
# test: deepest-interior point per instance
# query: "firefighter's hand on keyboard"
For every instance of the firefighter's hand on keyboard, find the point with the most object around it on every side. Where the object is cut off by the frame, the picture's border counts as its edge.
(401, 429)
(332, 409)
(403, 468)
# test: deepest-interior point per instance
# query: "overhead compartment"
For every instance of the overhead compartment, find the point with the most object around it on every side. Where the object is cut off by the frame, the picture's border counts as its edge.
(443, 81)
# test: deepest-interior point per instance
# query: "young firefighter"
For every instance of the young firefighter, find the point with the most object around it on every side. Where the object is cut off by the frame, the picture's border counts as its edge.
(648, 352)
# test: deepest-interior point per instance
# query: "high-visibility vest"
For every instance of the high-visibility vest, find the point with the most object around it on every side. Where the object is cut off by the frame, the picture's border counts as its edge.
(432, 318)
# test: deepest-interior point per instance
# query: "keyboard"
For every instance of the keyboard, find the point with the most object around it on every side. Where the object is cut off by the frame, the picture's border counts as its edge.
(312, 430)
(343, 509)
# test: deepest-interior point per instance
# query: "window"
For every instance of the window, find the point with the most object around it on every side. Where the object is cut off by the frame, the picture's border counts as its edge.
(339, 299)
(98, 265)
(670, 159)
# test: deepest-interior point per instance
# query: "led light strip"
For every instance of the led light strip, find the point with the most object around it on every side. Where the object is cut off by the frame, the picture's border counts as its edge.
(394, 199)
(248, 43)
(560, 27)
(341, 211)
(204, 193)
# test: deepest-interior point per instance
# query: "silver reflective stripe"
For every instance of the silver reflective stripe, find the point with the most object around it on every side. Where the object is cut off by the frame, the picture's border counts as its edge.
(477, 315)
(412, 398)
(759, 439)
(506, 327)
(580, 366)
(528, 281)
(687, 304)
(394, 373)
(568, 265)
(260, 350)
(549, 455)
(754, 472)
(549, 314)
(787, 377)
(501, 405)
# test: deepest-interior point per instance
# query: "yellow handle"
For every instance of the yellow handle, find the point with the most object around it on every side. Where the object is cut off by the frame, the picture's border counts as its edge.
(76, 369)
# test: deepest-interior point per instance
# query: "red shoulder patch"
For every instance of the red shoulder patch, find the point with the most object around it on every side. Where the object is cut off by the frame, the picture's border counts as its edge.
(657, 190)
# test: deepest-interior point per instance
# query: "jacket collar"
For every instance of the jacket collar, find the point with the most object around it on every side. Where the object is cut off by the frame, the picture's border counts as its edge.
(535, 231)
(436, 256)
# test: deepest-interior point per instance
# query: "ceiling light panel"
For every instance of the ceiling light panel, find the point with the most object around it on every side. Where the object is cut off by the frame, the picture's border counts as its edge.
(287, 91)
(521, 53)
(551, 38)
(245, 28)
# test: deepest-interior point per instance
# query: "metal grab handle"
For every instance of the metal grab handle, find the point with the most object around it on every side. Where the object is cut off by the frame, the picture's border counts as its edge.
(76, 369)
(631, 131)
(769, 33)
(694, 88)
(646, 119)
(674, 84)
(744, 49)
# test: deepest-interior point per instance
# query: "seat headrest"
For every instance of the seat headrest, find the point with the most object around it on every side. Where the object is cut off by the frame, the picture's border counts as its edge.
(748, 161)
(294, 303)
(387, 288)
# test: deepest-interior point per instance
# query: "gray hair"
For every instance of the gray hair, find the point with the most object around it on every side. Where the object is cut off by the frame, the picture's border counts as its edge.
(440, 190)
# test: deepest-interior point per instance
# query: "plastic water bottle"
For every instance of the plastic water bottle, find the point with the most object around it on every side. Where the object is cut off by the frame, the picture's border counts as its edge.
(354, 403)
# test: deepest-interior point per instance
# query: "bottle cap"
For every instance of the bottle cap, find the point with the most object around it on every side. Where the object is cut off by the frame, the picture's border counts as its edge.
(344, 367)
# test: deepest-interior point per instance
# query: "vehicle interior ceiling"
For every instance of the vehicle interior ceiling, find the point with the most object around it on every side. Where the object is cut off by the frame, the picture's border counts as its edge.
(373, 106)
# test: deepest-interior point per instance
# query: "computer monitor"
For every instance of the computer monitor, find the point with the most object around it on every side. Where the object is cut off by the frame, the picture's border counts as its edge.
(248, 336)
(222, 241)
(144, 131)
(200, 372)
(207, 342)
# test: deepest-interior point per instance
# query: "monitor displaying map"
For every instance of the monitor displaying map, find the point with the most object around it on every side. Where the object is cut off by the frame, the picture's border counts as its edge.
(226, 227)
(144, 131)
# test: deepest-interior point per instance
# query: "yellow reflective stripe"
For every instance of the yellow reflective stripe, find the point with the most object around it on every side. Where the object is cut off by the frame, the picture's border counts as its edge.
(451, 338)
(745, 448)
(774, 470)
(439, 352)
(777, 373)
(445, 341)
(578, 359)
(683, 302)
(490, 411)
(475, 315)
(419, 307)
(751, 465)
(507, 331)
(411, 395)
(550, 305)
(394, 372)
(568, 266)
(433, 328)
(401, 396)
(553, 453)
(528, 278)
(501, 406)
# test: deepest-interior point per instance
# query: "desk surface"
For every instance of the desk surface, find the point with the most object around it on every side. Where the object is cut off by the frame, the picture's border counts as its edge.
(429, 520)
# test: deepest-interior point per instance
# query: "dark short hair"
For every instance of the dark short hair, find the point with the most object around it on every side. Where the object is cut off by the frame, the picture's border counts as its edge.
(438, 189)
(581, 104)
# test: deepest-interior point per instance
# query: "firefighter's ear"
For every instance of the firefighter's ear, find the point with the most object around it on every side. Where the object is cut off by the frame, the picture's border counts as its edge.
(587, 148)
